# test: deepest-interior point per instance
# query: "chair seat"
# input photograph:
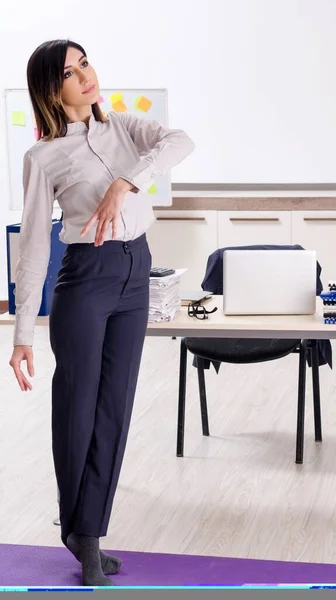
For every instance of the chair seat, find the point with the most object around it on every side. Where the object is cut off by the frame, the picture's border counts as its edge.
(240, 350)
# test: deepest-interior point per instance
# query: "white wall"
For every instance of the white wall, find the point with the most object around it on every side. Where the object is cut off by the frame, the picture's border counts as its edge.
(209, 54)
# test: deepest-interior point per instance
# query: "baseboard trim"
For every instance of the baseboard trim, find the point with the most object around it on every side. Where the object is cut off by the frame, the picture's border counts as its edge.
(3, 306)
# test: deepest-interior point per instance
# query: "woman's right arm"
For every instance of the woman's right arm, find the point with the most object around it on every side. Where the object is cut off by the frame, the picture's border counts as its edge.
(34, 254)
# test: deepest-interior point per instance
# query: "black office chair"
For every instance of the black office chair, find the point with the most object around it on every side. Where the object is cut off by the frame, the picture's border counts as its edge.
(243, 351)
(249, 351)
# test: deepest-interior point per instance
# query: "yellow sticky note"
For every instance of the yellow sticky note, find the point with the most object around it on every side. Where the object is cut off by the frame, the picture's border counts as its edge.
(119, 106)
(117, 102)
(18, 117)
(143, 103)
(152, 189)
(116, 97)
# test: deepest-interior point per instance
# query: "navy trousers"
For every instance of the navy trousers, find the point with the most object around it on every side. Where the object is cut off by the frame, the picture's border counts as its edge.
(98, 322)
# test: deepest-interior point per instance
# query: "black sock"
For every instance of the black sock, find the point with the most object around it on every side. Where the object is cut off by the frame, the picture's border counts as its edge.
(110, 564)
(87, 548)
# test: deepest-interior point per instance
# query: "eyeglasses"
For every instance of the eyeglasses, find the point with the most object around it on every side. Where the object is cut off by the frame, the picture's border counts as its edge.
(200, 312)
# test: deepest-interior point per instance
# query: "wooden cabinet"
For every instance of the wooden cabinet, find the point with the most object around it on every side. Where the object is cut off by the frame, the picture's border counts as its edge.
(253, 227)
(184, 239)
(316, 230)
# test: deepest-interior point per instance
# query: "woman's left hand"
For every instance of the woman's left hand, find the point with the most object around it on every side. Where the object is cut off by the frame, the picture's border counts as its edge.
(108, 211)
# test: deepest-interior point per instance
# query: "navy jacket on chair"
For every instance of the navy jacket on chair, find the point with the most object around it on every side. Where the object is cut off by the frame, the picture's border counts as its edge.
(213, 282)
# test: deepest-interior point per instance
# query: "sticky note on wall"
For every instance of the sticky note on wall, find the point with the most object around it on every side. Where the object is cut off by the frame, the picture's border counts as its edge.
(152, 189)
(117, 102)
(116, 97)
(142, 103)
(18, 118)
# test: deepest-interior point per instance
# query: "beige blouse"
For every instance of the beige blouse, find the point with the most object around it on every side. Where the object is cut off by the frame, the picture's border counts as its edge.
(77, 170)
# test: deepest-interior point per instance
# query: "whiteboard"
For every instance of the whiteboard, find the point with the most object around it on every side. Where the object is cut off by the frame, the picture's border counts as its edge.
(21, 132)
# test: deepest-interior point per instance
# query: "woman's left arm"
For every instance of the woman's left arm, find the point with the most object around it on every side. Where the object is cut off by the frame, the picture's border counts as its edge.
(160, 149)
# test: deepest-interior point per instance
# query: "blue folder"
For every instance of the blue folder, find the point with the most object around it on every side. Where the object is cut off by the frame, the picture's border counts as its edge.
(56, 254)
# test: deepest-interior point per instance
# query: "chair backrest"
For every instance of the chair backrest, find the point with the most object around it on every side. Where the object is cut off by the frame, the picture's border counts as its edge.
(213, 278)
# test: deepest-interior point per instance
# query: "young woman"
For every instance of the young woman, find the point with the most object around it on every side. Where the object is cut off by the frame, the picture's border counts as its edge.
(99, 169)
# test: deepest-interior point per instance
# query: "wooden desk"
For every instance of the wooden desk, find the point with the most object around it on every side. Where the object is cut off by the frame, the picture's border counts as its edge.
(218, 325)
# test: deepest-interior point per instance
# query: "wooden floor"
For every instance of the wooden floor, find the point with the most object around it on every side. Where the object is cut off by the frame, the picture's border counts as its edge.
(238, 493)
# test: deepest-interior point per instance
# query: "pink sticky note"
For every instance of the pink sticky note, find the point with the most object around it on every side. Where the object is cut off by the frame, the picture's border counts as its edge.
(100, 99)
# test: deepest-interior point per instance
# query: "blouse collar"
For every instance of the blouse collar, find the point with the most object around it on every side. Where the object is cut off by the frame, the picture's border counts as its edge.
(80, 126)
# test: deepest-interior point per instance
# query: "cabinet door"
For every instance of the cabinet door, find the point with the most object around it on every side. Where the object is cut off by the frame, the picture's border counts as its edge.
(316, 230)
(184, 239)
(240, 228)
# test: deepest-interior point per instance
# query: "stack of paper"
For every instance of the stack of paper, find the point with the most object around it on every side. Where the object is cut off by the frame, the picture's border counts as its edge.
(164, 297)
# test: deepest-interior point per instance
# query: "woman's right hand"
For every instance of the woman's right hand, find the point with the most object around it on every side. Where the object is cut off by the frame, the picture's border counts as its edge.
(23, 353)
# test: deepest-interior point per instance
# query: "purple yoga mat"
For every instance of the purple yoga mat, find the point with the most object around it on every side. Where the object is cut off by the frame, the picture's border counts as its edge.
(50, 566)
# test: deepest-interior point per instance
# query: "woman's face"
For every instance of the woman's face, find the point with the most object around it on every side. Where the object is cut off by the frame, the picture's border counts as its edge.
(80, 85)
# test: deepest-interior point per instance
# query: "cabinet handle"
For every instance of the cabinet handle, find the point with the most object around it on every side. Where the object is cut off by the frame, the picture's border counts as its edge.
(273, 219)
(319, 218)
(180, 219)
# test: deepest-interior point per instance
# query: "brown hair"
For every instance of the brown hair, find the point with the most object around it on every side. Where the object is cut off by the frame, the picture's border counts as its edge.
(45, 75)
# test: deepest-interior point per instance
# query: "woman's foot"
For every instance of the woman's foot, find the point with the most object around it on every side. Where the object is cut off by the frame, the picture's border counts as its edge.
(110, 564)
(87, 549)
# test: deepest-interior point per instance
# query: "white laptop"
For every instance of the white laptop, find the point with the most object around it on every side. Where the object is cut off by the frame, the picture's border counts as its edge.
(266, 282)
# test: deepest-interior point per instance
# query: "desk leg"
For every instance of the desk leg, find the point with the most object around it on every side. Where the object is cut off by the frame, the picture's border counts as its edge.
(181, 399)
(316, 391)
(57, 520)
(301, 403)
